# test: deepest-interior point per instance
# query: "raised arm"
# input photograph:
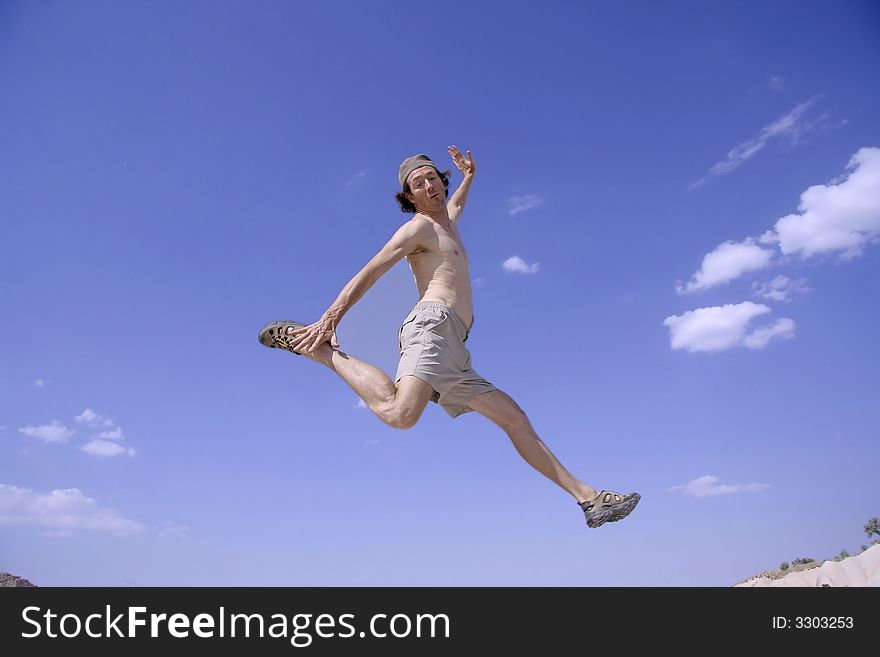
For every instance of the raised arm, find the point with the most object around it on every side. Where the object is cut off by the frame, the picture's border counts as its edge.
(467, 166)
(407, 239)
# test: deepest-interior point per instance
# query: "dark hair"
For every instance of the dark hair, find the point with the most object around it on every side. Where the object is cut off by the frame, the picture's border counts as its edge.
(407, 206)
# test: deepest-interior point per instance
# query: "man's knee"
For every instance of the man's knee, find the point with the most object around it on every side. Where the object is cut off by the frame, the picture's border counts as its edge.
(403, 409)
(505, 412)
(516, 420)
(403, 422)
(400, 414)
(403, 417)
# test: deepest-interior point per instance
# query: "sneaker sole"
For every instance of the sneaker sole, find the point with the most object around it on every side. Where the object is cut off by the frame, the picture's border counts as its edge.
(614, 513)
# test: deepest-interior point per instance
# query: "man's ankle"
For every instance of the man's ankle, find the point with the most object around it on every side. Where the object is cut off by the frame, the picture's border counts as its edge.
(322, 355)
(587, 495)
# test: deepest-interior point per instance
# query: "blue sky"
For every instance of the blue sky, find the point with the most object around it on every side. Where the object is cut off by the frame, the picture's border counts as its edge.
(673, 234)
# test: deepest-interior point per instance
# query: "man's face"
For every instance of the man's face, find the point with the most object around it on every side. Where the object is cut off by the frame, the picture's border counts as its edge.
(427, 191)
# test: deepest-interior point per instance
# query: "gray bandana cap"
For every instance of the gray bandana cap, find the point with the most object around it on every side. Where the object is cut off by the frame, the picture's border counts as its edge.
(410, 164)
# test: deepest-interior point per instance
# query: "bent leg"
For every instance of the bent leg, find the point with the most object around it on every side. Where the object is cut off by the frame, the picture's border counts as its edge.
(399, 406)
(506, 413)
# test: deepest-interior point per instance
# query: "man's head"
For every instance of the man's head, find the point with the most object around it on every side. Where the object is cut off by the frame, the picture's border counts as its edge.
(421, 184)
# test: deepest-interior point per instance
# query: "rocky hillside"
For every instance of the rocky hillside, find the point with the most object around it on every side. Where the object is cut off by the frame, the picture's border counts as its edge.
(8, 580)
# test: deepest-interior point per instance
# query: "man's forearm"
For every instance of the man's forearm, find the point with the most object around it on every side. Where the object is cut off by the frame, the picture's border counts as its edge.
(405, 240)
(460, 196)
(350, 294)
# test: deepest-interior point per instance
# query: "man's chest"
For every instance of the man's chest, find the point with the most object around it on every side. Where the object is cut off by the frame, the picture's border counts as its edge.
(449, 242)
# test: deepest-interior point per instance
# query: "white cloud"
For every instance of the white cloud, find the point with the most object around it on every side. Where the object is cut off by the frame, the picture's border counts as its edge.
(782, 328)
(708, 485)
(776, 83)
(360, 403)
(842, 216)
(40, 383)
(716, 328)
(729, 260)
(789, 125)
(106, 448)
(92, 419)
(769, 237)
(518, 265)
(101, 444)
(88, 416)
(51, 433)
(116, 434)
(517, 204)
(781, 288)
(60, 511)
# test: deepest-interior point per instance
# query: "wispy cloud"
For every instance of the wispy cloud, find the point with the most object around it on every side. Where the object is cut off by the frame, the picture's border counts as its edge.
(842, 216)
(788, 125)
(708, 485)
(50, 433)
(781, 288)
(355, 180)
(60, 511)
(781, 328)
(729, 260)
(360, 403)
(717, 328)
(776, 83)
(517, 204)
(173, 530)
(517, 265)
(40, 383)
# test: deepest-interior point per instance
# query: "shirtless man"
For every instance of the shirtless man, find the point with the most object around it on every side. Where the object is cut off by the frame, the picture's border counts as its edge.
(434, 363)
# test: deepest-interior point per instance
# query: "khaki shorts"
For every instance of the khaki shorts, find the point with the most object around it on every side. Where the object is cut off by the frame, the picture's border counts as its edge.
(432, 349)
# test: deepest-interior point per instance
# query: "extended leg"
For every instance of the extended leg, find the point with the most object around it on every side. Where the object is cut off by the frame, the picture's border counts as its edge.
(503, 411)
(399, 406)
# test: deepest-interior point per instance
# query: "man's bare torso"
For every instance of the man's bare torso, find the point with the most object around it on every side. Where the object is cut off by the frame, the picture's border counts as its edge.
(440, 267)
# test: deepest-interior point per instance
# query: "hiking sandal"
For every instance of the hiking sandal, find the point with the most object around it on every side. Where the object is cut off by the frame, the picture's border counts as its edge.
(608, 506)
(274, 334)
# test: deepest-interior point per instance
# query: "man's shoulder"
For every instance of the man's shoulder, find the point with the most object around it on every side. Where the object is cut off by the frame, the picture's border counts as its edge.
(418, 233)
(419, 225)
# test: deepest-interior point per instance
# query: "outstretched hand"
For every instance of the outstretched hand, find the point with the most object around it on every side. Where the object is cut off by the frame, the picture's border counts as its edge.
(466, 166)
(309, 338)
